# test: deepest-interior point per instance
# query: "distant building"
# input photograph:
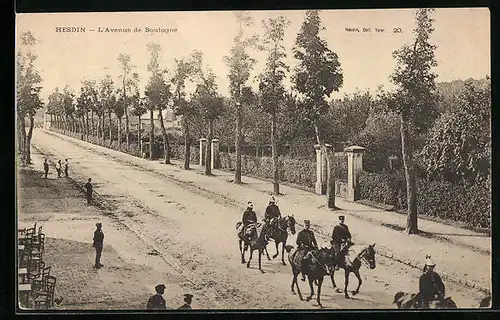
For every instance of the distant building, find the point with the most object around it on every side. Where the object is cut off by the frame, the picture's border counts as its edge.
(169, 120)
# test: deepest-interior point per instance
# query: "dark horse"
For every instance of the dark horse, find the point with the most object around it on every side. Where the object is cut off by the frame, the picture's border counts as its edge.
(410, 301)
(351, 262)
(254, 237)
(321, 261)
(280, 233)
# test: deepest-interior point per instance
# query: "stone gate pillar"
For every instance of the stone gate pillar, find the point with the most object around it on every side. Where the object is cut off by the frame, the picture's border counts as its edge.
(354, 166)
(215, 154)
(203, 145)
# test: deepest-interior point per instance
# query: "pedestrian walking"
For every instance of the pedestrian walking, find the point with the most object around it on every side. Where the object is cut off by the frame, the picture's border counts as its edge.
(46, 168)
(88, 187)
(157, 302)
(58, 168)
(187, 299)
(66, 167)
(98, 244)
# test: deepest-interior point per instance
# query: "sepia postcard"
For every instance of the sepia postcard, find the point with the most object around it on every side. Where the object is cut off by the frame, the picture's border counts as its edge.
(253, 160)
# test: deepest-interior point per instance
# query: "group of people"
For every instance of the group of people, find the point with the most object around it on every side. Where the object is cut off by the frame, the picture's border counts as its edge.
(59, 168)
(157, 302)
(431, 287)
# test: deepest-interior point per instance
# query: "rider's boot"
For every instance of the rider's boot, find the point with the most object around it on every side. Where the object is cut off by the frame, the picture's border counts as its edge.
(303, 268)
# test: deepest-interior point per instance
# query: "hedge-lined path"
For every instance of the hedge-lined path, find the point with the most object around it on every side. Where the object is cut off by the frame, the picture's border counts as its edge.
(454, 261)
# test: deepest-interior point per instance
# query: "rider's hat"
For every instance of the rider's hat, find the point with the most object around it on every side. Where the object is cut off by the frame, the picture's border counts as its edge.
(159, 287)
(429, 262)
(98, 224)
(250, 204)
(188, 296)
(307, 222)
(341, 218)
(273, 200)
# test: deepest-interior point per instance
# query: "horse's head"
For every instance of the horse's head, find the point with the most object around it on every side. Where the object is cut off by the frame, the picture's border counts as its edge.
(291, 224)
(367, 256)
(326, 256)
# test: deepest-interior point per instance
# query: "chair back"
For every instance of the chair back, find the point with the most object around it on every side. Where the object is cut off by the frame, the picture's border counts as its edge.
(51, 286)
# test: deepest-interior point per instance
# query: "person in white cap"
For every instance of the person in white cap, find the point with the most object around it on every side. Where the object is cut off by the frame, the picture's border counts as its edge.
(431, 287)
(249, 217)
(272, 213)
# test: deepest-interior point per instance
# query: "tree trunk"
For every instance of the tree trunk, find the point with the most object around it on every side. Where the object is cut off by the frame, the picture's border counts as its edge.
(139, 138)
(166, 145)
(151, 135)
(87, 126)
(237, 174)
(92, 123)
(411, 188)
(28, 140)
(119, 133)
(99, 136)
(330, 176)
(22, 136)
(110, 129)
(274, 151)
(187, 145)
(127, 130)
(103, 129)
(208, 151)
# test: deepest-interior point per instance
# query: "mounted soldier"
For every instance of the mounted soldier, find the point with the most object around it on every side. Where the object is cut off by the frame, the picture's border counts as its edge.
(341, 239)
(307, 241)
(431, 287)
(249, 217)
(272, 213)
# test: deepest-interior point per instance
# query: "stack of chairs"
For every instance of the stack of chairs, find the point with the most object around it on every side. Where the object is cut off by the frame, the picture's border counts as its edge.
(37, 273)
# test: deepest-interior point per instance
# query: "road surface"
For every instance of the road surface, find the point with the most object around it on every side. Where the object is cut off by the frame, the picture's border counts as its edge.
(194, 231)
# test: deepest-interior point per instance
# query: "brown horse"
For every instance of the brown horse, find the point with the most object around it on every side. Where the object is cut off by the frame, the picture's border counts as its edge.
(406, 300)
(280, 234)
(254, 237)
(351, 262)
(321, 261)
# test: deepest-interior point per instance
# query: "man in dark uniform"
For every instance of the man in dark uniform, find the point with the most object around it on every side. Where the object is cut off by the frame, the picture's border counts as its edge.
(249, 216)
(157, 302)
(307, 241)
(46, 168)
(431, 287)
(98, 244)
(66, 167)
(340, 236)
(272, 213)
(88, 187)
(58, 168)
(187, 299)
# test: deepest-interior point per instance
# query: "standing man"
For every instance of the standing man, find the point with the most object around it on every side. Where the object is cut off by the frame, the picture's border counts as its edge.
(46, 168)
(88, 187)
(98, 244)
(58, 168)
(66, 167)
(307, 241)
(340, 236)
(157, 302)
(187, 299)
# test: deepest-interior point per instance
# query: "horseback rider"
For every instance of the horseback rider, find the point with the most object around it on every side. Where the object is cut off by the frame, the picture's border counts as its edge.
(249, 217)
(307, 241)
(272, 213)
(431, 287)
(341, 239)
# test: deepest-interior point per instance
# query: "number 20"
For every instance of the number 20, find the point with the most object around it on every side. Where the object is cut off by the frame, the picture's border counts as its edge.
(397, 30)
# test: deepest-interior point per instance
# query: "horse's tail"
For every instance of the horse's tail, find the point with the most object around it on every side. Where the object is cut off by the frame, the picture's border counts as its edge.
(238, 224)
(288, 248)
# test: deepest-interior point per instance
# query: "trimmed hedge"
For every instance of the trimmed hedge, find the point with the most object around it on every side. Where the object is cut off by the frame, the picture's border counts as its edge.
(467, 204)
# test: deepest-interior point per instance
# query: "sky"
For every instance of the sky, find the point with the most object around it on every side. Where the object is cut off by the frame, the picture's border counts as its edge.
(462, 37)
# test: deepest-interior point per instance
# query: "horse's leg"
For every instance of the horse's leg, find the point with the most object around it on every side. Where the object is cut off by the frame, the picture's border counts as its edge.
(283, 253)
(346, 283)
(267, 254)
(250, 258)
(356, 273)
(320, 282)
(276, 243)
(242, 252)
(295, 274)
(260, 257)
(310, 286)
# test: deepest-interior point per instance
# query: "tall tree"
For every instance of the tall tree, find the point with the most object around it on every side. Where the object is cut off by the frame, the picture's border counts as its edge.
(316, 77)
(129, 80)
(86, 101)
(28, 93)
(55, 105)
(138, 108)
(105, 103)
(184, 70)
(240, 64)
(119, 110)
(153, 67)
(271, 86)
(414, 99)
(209, 103)
(69, 108)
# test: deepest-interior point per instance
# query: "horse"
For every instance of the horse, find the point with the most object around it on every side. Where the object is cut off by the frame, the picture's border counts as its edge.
(280, 235)
(254, 237)
(351, 262)
(406, 300)
(320, 263)
(485, 302)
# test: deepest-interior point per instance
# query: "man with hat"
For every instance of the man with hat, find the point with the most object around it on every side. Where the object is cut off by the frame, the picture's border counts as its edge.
(340, 236)
(157, 302)
(249, 217)
(307, 241)
(98, 244)
(187, 299)
(431, 287)
(272, 212)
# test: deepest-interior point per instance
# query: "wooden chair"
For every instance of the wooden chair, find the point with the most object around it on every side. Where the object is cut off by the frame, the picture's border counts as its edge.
(45, 297)
(35, 270)
(41, 281)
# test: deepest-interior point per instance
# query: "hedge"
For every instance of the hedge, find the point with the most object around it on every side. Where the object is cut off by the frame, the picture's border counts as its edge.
(469, 204)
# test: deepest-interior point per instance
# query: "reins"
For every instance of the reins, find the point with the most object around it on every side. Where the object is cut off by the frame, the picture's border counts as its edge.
(362, 259)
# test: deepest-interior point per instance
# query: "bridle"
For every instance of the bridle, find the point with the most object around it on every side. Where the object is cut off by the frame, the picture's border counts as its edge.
(362, 258)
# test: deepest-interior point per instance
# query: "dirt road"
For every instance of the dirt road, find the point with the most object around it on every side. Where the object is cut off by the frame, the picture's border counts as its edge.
(193, 233)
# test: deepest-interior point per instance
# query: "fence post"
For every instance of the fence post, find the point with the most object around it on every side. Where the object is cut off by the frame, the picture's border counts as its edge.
(215, 154)
(354, 166)
(203, 143)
